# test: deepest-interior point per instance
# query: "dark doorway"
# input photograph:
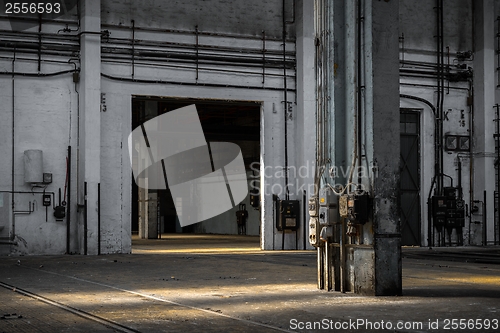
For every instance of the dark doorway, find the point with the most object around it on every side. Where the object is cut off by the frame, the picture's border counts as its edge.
(228, 121)
(410, 176)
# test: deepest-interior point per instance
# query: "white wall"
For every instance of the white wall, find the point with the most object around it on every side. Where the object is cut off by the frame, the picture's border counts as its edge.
(418, 24)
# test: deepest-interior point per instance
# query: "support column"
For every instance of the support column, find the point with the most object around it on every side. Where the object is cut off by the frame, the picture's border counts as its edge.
(484, 114)
(382, 92)
(306, 104)
(359, 84)
(89, 141)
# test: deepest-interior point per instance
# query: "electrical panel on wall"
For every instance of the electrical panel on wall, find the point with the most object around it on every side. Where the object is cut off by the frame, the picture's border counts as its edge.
(288, 215)
(448, 210)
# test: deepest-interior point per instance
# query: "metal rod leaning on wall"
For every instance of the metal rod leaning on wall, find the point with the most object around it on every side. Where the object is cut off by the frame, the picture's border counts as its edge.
(85, 218)
(98, 218)
(68, 200)
(485, 221)
(304, 199)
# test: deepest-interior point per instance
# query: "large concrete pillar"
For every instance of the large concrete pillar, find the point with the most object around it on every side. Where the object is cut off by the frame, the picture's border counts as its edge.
(382, 91)
(89, 141)
(359, 85)
(484, 114)
(305, 139)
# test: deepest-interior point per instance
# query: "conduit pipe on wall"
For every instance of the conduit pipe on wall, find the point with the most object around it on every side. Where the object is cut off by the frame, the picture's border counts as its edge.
(360, 87)
(125, 79)
(13, 217)
(68, 216)
(285, 107)
(319, 8)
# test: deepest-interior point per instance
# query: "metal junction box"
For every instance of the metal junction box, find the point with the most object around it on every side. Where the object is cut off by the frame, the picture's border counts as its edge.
(314, 232)
(355, 207)
(328, 212)
(288, 215)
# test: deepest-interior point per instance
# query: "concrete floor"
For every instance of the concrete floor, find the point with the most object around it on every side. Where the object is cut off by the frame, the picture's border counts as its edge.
(226, 284)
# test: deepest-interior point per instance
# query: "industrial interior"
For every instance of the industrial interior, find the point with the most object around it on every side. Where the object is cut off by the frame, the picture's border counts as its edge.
(356, 145)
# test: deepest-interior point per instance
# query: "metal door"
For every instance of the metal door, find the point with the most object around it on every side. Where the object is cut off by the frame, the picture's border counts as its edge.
(410, 177)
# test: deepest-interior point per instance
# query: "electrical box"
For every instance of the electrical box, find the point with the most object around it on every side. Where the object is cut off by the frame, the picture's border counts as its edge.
(254, 199)
(343, 208)
(355, 207)
(439, 210)
(313, 206)
(362, 206)
(326, 196)
(328, 211)
(448, 210)
(47, 200)
(288, 214)
(47, 178)
(60, 213)
(455, 208)
(314, 232)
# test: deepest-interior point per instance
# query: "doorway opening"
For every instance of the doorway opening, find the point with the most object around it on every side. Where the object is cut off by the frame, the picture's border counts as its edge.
(410, 177)
(222, 121)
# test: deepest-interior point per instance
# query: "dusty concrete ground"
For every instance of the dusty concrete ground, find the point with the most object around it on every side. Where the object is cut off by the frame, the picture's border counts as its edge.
(226, 284)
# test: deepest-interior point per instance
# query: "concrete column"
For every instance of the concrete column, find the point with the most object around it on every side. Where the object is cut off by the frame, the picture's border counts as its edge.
(89, 144)
(382, 92)
(484, 114)
(306, 104)
(373, 262)
(151, 226)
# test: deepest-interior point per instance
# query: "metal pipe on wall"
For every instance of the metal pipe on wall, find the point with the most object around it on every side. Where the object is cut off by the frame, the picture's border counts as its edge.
(85, 226)
(13, 217)
(359, 92)
(128, 79)
(285, 107)
(98, 218)
(68, 202)
(485, 221)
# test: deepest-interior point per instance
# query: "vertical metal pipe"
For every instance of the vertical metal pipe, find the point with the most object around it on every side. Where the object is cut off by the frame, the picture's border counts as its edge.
(85, 218)
(438, 104)
(342, 246)
(197, 60)
(285, 103)
(485, 220)
(320, 267)
(359, 95)
(68, 203)
(133, 48)
(305, 224)
(98, 218)
(39, 42)
(497, 198)
(263, 56)
(13, 223)
(441, 61)
(498, 51)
